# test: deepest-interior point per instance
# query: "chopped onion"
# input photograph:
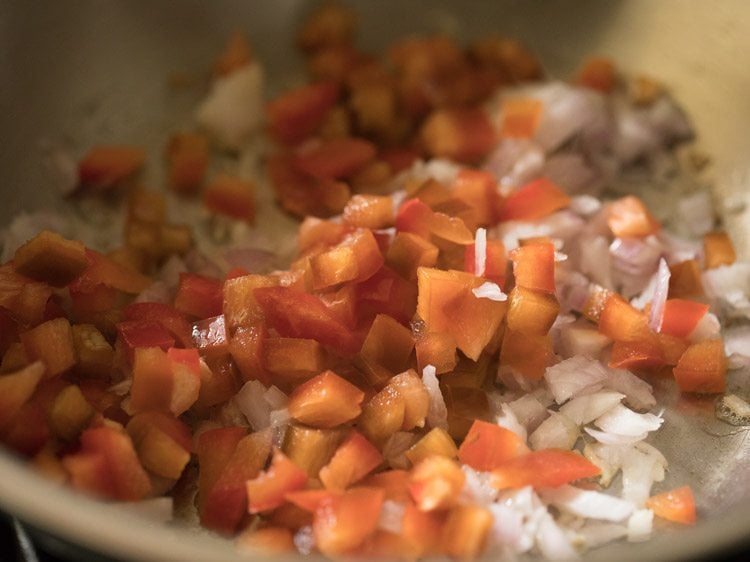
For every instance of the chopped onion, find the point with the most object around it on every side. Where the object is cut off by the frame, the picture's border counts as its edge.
(581, 338)
(233, 109)
(392, 516)
(255, 260)
(278, 418)
(275, 397)
(729, 286)
(437, 414)
(480, 252)
(661, 289)
(587, 503)
(304, 540)
(508, 529)
(507, 418)
(585, 205)
(708, 328)
(477, 487)
(396, 446)
(594, 533)
(595, 260)
(556, 432)
(253, 404)
(614, 438)
(572, 171)
(737, 346)
(624, 421)
(696, 213)
(571, 376)
(585, 409)
(491, 291)
(640, 525)
(551, 540)
(638, 393)
(640, 470)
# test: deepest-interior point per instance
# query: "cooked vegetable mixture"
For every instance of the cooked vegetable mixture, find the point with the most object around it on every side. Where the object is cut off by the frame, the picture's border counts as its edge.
(457, 359)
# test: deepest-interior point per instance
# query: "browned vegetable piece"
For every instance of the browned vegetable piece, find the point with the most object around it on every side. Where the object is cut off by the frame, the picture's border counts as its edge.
(236, 54)
(95, 354)
(187, 157)
(50, 258)
(717, 250)
(70, 413)
(436, 442)
(310, 448)
(330, 25)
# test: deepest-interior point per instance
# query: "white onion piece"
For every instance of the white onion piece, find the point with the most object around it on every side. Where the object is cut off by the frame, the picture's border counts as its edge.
(571, 288)
(639, 472)
(729, 286)
(638, 393)
(491, 291)
(121, 388)
(437, 413)
(159, 509)
(737, 346)
(438, 169)
(233, 109)
(640, 525)
(396, 446)
(595, 260)
(571, 376)
(477, 487)
(480, 252)
(708, 328)
(252, 403)
(587, 503)
(635, 135)
(508, 529)
(552, 541)
(275, 397)
(614, 438)
(581, 338)
(696, 213)
(556, 432)
(156, 292)
(585, 205)
(624, 421)
(594, 533)
(529, 411)
(391, 516)
(585, 409)
(304, 540)
(570, 171)
(507, 419)
(634, 261)
(279, 417)
(661, 289)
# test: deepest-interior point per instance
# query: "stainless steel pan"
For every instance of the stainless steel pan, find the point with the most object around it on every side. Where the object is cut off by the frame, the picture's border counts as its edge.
(86, 71)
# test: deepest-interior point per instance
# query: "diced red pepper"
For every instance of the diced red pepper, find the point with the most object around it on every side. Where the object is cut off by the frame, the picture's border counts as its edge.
(343, 522)
(187, 155)
(717, 250)
(356, 258)
(548, 468)
(521, 117)
(50, 258)
(487, 446)
(268, 490)
(465, 135)
(334, 159)
(298, 113)
(628, 217)
(621, 321)
(369, 211)
(325, 401)
(355, 458)
(210, 336)
(466, 529)
(681, 317)
(300, 315)
(598, 73)
(479, 190)
(168, 316)
(104, 167)
(702, 368)
(199, 296)
(136, 334)
(435, 483)
(535, 200)
(534, 266)
(231, 196)
(676, 505)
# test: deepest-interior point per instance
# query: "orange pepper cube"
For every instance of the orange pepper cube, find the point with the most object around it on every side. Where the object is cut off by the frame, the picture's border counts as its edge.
(369, 211)
(16, 389)
(239, 305)
(534, 266)
(298, 113)
(50, 258)
(676, 505)
(70, 413)
(383, 415)
(104, 167)
(527, 354)
(437, 349)
(535, 200)
(628, 217)
(520, 117)
(356, 258)
(465, 135)
(487, 446)
(435, 442)
(163, 443)
(465, 533)
(388, 343)
(52, 343)
(621, 321)
(343, 521)
(435, 483)
(231, 196)
(325, 401)
(187, 157)
(702, 368)
(95, 354)
(268, 490)
(531, 312)
(310, 448)
(408, 252)
(293, 359)
(598, 73)
(355, 458)
(717, 250)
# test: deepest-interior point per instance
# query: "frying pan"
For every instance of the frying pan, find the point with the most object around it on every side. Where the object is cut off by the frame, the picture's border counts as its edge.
(82, 72)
